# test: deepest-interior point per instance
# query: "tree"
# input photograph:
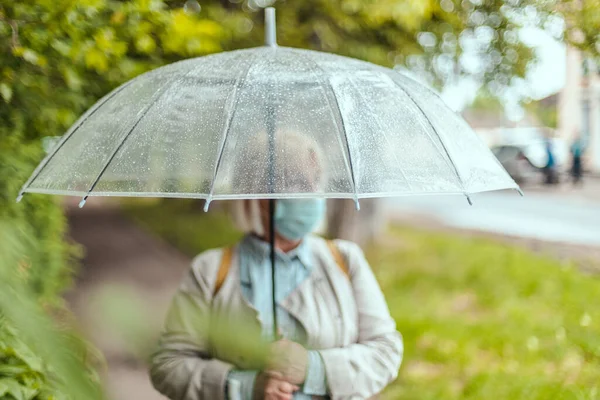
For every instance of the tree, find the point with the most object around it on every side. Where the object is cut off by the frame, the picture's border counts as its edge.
(582, 24)
(546, 114)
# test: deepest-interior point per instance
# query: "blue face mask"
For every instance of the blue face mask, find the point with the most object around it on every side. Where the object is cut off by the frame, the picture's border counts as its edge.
(296, 218)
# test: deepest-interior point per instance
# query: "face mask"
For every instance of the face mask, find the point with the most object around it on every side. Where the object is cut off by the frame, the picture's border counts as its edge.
(296, 218)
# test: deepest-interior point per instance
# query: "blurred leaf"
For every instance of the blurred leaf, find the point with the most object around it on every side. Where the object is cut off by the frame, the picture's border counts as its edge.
(145, 44)
(6, 92)
(96, 59)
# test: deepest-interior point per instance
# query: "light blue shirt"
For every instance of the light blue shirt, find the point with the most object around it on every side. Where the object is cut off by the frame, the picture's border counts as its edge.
(255, 278)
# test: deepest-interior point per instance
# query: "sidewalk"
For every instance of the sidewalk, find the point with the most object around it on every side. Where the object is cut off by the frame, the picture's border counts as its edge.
(119, 253)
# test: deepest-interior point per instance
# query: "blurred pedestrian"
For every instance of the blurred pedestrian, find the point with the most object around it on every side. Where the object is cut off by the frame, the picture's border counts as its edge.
(550, 168)
(577, 149)
(337, 340)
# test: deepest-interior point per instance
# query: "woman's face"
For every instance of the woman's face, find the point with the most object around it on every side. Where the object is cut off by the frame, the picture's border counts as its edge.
(294, 218)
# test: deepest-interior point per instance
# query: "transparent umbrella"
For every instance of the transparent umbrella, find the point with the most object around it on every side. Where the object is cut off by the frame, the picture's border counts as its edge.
(181, 130)
(225, 126)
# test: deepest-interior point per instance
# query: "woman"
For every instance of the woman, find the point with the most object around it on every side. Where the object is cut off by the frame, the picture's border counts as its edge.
(338, 339)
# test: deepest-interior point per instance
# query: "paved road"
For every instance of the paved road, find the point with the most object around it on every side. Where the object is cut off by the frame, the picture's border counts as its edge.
(545, 216)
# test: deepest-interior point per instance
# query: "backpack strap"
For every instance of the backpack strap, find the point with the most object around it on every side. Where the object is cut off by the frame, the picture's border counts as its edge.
(223, 269)
(339, 259)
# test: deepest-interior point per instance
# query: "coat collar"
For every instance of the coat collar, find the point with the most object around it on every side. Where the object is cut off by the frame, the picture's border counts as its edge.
(260, 252)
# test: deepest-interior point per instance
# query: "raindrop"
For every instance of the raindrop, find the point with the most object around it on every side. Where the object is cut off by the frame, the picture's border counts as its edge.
(192, 7)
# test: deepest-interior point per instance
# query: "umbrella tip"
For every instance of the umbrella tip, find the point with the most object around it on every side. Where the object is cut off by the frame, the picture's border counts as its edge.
(82, 202)
(520, 192)
(206, 205)
(357, 204)
(19, 197)
(469, 199)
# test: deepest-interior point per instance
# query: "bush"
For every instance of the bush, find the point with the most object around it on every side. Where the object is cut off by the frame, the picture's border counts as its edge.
(35, 268)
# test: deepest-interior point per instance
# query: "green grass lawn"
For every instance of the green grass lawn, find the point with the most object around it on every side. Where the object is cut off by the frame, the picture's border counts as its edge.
(480, 319)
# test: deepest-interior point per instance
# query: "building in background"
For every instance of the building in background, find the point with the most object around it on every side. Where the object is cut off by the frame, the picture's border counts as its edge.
(579, 106)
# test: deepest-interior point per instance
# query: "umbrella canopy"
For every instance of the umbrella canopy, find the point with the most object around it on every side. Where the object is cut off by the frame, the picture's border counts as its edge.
(225, 126)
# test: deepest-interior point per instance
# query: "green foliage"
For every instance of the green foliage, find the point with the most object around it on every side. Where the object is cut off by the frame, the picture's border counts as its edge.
(480, 320)
(37, 360)
(486, 320)
(582, 24)
(546, 114)
(57, 59)
(485, 101)
(438, 39)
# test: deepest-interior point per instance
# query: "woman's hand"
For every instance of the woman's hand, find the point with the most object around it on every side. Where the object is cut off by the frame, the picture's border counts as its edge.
(272, 386)
(288, 359)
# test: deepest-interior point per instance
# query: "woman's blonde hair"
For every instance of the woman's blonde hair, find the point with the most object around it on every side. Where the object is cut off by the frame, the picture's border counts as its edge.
(298, 164)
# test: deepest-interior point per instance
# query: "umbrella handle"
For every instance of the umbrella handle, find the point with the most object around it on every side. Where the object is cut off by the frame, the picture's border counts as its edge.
(272, 242)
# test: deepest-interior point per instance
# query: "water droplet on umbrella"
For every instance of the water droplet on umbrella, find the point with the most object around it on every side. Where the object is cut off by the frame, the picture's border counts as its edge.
(192, 7)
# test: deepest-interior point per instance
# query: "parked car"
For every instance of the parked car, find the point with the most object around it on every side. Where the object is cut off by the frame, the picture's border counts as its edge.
(517, 164)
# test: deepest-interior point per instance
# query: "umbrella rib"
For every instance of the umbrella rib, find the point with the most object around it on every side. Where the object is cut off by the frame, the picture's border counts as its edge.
(326, 85)
(460, 180)
(351, 80)
(231, 114)
(50, 156)
(157, 95)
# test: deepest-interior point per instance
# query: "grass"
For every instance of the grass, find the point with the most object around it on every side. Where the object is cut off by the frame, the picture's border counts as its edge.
(480, 319)
(483, 320)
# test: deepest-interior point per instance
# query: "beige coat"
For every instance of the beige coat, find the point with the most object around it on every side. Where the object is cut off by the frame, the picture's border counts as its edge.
(347, 320)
